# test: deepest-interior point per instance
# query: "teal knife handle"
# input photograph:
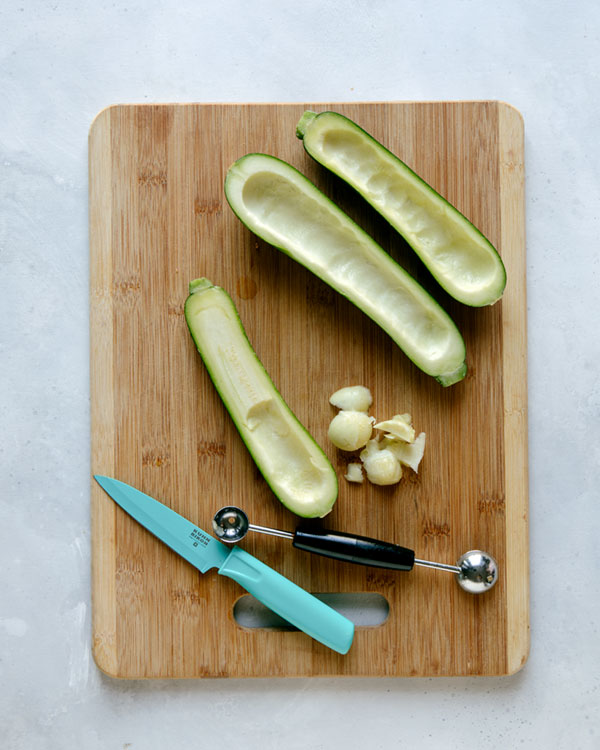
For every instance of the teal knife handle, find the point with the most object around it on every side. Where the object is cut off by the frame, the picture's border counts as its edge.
(289, 601)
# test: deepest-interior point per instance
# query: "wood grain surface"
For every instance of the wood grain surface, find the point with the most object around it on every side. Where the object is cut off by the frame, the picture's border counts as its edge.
(158, 219)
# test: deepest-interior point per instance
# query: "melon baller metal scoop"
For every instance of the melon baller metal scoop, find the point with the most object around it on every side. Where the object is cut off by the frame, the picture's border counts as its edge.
(475, 571)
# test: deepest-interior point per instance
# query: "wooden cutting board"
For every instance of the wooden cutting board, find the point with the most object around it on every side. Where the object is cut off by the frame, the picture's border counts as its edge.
(158, 219)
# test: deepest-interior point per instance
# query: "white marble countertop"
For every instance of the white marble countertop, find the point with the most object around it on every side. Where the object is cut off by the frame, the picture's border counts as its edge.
(63, 61)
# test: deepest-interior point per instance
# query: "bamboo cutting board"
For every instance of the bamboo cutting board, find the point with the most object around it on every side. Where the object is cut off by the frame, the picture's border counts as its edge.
(158, 219)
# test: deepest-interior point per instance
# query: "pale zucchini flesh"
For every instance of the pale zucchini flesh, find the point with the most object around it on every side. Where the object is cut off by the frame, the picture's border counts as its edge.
(279, 204)
(456, 253)
(292, 463)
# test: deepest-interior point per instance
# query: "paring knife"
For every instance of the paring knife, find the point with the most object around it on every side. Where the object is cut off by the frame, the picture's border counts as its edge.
(294, 604)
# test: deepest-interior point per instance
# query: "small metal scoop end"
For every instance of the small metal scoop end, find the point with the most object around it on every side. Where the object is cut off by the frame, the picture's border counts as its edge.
(478, 571)
(230, 524)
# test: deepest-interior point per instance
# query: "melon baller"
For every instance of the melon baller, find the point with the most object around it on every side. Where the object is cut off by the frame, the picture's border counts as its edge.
(475, 571)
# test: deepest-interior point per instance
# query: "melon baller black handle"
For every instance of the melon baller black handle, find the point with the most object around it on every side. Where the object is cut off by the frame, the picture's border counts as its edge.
(353, 548)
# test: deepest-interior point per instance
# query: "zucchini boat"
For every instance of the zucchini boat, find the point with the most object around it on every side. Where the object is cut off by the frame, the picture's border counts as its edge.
(294, 466)
(276, 202)
(457, 254)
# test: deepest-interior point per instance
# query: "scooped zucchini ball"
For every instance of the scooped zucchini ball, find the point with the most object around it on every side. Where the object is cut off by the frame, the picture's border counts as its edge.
(382, 467)
(350, 430)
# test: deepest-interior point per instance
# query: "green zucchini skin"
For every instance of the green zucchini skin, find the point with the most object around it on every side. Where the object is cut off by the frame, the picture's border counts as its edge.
(280, 205)
(292, 463)
(458, 255)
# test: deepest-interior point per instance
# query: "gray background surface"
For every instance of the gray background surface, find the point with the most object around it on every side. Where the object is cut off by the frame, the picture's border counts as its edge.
(63, 61)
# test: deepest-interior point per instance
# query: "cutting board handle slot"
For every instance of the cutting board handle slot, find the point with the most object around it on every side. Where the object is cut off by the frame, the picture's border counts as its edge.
(366, 610)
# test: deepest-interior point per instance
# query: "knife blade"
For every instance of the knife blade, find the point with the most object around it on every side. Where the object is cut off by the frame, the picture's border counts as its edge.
(293, 603)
